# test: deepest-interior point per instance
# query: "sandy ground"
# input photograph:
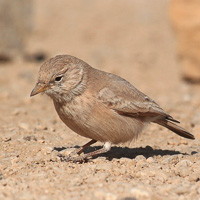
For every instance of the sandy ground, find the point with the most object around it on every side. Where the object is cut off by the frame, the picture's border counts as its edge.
(123, 39)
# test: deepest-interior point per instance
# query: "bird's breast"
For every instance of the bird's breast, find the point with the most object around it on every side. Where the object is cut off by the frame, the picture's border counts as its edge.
(92, 119)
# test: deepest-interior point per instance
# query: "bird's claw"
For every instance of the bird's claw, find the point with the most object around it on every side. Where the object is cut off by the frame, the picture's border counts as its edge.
(77, 159)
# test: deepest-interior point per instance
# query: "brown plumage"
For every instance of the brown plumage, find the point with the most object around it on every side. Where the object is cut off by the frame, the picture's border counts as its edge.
(99, 105)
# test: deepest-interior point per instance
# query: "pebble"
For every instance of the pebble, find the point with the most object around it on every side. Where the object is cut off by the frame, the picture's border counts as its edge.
(161, 177)
(140, 157)
(24, 126)
(194, 176)
(171, 160)
(140, 193)
(124, 160)
(30, 138)
(101, 194)
(182, 168)
(152, 173)
(67, 151)
(104, 166)
(183, 172)
(181, 190)
(195, 119)
(198, 190)
(41, 127)
(184, 163)
(150, 160)
(6, 139)
(47, 149)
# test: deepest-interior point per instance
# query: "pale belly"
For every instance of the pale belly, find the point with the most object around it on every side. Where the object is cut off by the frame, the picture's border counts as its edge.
(100, 123)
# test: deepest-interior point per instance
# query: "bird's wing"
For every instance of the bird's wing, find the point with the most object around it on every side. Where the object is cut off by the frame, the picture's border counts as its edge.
(126, 100)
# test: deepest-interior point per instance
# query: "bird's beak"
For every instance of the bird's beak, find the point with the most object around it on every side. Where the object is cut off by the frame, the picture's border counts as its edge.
(38, 89)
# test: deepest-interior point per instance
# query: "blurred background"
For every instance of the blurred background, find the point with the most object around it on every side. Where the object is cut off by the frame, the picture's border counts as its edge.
(107, 34)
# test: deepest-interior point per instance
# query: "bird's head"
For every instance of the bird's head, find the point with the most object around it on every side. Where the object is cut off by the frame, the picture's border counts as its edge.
(60, 77)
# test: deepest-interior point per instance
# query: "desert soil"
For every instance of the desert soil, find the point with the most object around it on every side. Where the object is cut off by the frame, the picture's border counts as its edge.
(123, 39)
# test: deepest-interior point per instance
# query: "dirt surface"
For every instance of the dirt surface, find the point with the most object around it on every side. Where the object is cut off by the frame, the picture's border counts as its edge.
(124, 39)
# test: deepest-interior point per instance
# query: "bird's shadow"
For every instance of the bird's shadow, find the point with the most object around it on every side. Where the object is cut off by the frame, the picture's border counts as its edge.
(126, 152)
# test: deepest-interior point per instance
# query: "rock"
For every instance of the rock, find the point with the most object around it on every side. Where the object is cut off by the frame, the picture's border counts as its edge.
(161, 177)
(171, 160)
(198, 190)
(124, 160)
(101, 194)
(184, 163)
(41, 127)
(6, 138)
(195, 119)
(195, 176)
(140, 157)
(47, 149)
(181, 190)
(183, 168)
(140, 193)
(196, 167)
(141, 174)
(30, 138)
(24, 126)
(150, 160)
(104, 166)
(67, 151)
(1, 176)
(183, 172)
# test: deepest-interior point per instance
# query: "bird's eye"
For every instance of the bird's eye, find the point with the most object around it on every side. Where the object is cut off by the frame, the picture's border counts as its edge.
(58, 78)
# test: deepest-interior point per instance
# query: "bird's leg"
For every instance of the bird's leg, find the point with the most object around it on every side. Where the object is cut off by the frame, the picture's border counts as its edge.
(77, 151)
(81, 158)
(80, 150)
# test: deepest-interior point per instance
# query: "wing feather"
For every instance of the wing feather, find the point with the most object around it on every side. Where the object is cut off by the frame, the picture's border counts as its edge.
(131, 102)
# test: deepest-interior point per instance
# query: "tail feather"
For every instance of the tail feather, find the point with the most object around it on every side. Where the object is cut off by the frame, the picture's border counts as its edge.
(176, 129)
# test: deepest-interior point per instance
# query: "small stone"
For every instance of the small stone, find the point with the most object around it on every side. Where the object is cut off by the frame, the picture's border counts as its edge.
(1, 175)
(104, 166)
(67, 151)
(124, 160)
(140, 157)
(129, 198)
(101, 194)
(171, 160)
(6, 139)
(198, 190)
(152, 173)
(41, 140)
(194, 176)
(141, 174)
(195, 119)
(24, 126)
(161, 177)
(181, 190)
(140, 193)
(30, 138)
(150, 160)
(40, 127)
(47, 150)
(183, 172)
(184, 163)
(187, 97)
(15, 160)
(16, 112)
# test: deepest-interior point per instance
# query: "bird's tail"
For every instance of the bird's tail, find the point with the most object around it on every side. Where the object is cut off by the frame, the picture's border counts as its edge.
(176, 129)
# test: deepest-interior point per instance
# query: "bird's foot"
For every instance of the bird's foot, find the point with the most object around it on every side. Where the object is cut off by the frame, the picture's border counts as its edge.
(74, 159)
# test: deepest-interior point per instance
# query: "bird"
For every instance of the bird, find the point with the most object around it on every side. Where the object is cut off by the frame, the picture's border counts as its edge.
(99, 105)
